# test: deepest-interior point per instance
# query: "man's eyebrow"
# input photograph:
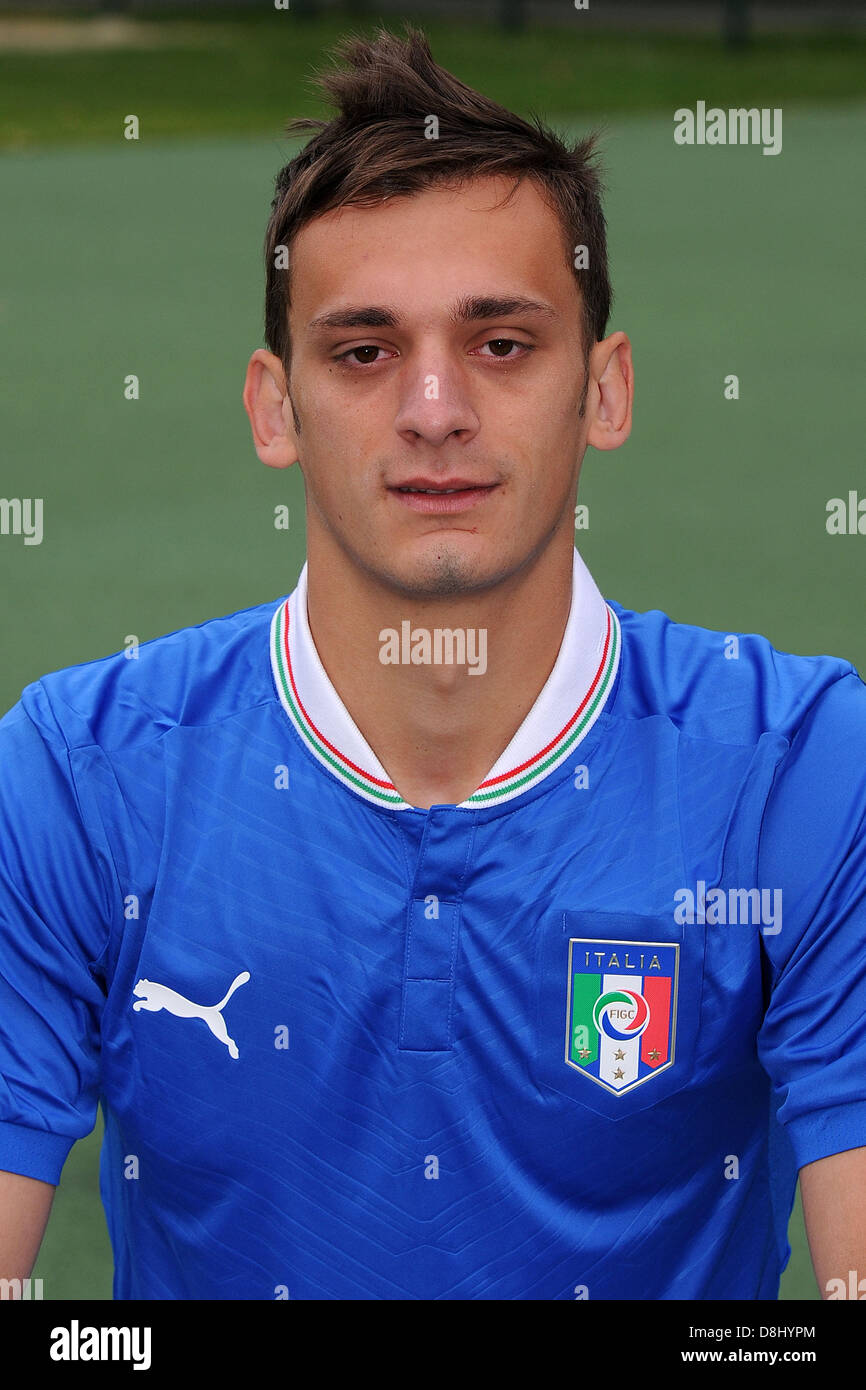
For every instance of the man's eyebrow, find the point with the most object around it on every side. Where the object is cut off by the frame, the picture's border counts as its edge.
(494, 306)
(469, 309)
(361, 316)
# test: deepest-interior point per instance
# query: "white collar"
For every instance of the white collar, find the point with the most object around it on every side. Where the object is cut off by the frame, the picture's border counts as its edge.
(568, 705)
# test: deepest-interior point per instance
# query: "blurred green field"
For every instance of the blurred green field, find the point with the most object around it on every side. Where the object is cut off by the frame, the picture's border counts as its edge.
(145, 258)
(247, 73)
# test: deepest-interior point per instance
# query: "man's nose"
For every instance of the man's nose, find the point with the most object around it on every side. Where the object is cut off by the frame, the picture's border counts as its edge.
(435, 403)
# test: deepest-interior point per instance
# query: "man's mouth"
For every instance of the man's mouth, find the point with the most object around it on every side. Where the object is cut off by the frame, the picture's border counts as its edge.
(446, 485)
(447, 496)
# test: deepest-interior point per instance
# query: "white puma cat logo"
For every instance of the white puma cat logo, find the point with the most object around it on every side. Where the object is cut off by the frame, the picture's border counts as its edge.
(154, 997)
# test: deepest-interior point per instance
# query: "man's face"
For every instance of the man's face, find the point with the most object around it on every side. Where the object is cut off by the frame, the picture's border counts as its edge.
(414, 381)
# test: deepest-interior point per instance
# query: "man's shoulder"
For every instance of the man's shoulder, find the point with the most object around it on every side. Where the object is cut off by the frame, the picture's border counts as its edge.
(731, 687)
(194, 676)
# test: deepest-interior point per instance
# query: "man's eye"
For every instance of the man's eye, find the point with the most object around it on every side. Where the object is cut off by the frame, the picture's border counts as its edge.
(498, 344)
(361, 354)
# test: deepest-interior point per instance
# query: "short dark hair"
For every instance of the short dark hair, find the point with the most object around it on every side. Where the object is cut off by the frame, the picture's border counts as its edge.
(375, 147)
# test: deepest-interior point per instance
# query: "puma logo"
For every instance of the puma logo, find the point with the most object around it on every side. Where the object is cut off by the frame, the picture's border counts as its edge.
(154, 997)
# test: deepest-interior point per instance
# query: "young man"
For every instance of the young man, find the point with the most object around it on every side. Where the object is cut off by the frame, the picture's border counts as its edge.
(442, 930)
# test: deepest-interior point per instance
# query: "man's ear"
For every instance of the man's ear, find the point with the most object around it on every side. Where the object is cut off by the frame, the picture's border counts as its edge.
(267, 404)
(611, 392)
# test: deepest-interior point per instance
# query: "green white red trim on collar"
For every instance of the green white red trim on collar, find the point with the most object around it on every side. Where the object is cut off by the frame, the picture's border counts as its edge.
(553, 727)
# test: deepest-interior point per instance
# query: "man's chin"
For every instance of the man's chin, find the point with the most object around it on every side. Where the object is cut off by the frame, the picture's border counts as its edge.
(445, 570)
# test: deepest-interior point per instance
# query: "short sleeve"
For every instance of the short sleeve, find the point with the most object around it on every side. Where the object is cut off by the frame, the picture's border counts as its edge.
(812, 1042)
(54, 910)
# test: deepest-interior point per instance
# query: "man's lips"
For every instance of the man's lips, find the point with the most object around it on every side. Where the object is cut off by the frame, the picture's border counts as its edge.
(441, 495)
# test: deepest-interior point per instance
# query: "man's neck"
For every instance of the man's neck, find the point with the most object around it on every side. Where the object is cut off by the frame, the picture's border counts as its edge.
(436, 728)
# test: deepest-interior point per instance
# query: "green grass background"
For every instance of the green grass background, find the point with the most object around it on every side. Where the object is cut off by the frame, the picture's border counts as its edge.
(119, 257)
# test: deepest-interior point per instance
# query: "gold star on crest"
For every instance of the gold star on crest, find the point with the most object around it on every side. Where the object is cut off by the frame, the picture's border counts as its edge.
(618, 1074)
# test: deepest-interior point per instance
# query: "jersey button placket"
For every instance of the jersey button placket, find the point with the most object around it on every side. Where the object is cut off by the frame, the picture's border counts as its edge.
(432, 930)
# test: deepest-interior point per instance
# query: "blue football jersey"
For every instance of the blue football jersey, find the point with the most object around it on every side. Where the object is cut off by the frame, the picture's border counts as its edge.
(572, 1038)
